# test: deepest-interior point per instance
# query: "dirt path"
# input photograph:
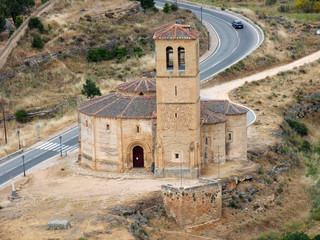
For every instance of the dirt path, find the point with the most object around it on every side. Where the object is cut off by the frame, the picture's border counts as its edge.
(221, 91)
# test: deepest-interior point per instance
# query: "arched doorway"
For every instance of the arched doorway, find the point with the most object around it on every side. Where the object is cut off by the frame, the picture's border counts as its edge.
(138, 161)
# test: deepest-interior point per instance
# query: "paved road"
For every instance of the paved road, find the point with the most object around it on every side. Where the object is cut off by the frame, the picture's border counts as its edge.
(41, 153)
(234, 45)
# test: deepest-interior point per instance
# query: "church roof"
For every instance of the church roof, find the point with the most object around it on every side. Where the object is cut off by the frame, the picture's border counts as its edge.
(118, 105)
(224, 107)
(140, 85)
(176, 31)
(210, 117)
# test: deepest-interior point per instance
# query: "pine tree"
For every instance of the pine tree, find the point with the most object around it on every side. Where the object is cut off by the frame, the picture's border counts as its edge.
(147, 4)
(166, 8)
(90, 90)
(2, 23)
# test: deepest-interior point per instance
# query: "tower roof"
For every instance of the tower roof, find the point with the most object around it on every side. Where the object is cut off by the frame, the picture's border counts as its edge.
(118, 105)
(137, 86)
(224, 107)
(176, 31)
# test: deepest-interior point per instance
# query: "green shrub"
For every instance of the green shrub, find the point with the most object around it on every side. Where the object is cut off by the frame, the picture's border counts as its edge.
(233, 204)
(305, 147)
(44, 1)
(147, 4)
(174, 7)
(296, 236)
(270, 2)
(269, 236)
(19, 21)
(315, 214)
(21, 116)
(90, 89)
(10, 33)
(36, 23)
(137, 51)
(316, 237)
(300, 128)
(166, 8)
(37, 42)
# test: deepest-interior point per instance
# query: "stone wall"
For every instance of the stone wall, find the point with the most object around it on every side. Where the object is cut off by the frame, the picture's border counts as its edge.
(13, 40)
(193, 205)
(213, 143)
(236, 146)
(107, 143)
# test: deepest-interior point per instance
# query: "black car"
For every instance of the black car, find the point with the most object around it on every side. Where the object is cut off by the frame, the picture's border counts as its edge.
(237, 24)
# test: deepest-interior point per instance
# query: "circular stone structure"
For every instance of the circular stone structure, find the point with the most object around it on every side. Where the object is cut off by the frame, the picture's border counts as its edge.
(161, 125)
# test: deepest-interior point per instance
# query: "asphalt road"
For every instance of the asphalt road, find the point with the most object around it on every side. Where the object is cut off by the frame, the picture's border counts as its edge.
(234, 45)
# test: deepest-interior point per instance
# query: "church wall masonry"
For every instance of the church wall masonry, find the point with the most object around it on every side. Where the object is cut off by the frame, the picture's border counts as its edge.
(193, 205)
(236, 143)
(213, 143)
(162, 122)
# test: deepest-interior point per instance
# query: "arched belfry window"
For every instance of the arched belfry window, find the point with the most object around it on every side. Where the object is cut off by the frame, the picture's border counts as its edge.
(169, 53)
(182, 58)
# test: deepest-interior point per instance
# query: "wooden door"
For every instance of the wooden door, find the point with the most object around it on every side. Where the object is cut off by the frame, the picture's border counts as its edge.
(138, 161)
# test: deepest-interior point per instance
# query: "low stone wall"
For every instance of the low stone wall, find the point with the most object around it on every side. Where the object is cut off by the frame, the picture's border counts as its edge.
(13, 40)
(194, 205)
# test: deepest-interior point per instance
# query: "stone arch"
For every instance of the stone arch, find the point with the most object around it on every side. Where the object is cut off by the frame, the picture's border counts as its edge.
(169, 58)
(181, 58)
(146, 153)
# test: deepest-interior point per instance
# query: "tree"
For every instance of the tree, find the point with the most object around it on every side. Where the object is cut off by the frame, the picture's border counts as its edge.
(296, 236)
(21, 116)
(90, 90)
(19, 21)
(304, 5)
(174, 7)
(147, 4)
(37, 42)
(166, 8)
(35, 23)
(3, 24)
(15, 8)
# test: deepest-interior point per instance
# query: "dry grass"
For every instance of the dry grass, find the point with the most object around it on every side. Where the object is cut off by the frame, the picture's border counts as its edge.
(75, 26)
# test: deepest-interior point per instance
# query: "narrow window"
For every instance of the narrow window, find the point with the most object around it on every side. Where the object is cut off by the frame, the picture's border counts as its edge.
(138, 129)
(87, 123)
(141, 93)
(229, 137)
(108, 127)
(176, 155)
(205, 155)
(206, 141)
(169, 53)
(175, 90)
(176, 115)
(181, 59)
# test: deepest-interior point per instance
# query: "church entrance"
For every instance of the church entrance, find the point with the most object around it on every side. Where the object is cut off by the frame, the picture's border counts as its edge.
(138, 161)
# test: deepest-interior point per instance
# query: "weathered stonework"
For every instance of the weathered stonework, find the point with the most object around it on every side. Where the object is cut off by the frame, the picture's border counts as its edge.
(193, 205)
(161, 124)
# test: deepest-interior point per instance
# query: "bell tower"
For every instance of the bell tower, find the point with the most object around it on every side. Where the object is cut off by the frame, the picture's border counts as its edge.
(178, 102)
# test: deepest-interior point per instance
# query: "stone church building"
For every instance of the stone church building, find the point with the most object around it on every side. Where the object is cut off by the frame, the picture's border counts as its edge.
(162, 123)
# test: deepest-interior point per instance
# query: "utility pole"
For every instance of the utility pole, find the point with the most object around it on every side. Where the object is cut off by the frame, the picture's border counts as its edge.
(18, 132)
(24, 168)
(208, 40)
(4, 126)
(60, 146)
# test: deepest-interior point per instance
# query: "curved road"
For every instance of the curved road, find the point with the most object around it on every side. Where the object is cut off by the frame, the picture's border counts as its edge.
(234, 45)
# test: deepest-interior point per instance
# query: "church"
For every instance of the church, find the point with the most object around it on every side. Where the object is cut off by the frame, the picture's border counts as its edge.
(162, 124)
